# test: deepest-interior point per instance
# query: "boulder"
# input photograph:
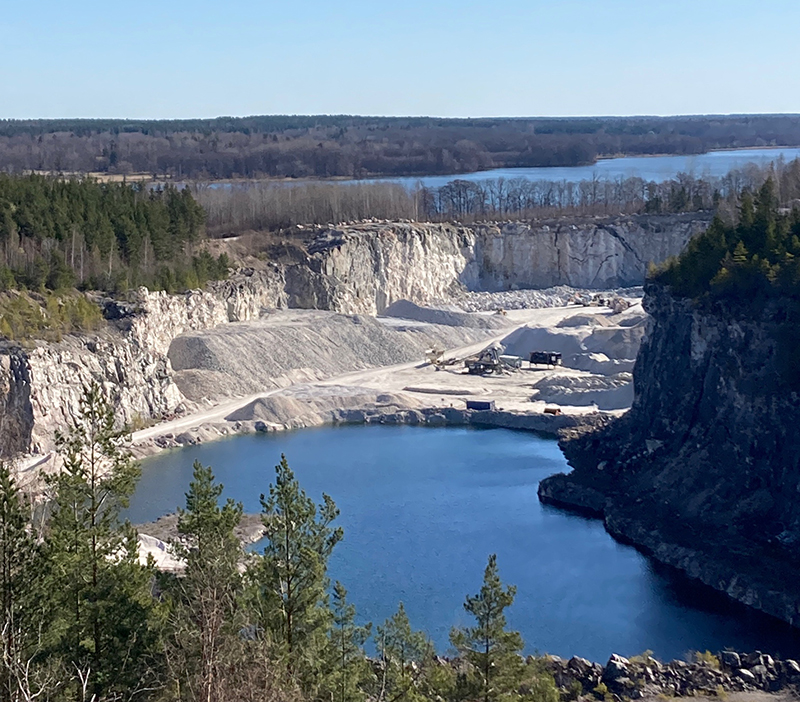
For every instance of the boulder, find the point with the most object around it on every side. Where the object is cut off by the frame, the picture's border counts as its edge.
(791, 668)
(747, 676)
(730, 659)
(580, 666)
(751, 659)
(436, 420)
(616, 668)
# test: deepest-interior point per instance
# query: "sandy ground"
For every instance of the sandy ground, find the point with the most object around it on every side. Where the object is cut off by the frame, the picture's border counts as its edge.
(417, 379)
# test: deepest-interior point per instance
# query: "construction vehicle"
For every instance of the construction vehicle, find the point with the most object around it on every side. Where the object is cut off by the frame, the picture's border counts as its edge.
(485, 362)
(544, 358)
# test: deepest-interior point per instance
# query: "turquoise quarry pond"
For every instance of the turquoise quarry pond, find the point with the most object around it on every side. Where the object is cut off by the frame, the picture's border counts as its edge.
(422, 508)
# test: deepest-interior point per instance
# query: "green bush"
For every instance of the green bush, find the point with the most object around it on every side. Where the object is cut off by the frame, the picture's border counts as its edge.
(25, 316)
(707, 658)
(602, 692)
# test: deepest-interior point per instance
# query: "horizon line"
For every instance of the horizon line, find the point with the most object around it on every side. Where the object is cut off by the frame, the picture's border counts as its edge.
(368, 116)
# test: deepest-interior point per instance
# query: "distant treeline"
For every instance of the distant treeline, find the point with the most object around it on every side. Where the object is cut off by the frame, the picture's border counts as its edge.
(57, 234)
(520, 197)
(264, 206)
(268, 206)
(356, 147)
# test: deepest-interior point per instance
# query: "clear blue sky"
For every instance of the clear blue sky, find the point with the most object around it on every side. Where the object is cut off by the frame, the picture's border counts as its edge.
(175, 58)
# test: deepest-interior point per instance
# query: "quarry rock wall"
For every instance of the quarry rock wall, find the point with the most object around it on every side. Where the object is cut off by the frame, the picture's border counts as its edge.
(359, 269)
(704, 471)
(365, 268)
(40, 388)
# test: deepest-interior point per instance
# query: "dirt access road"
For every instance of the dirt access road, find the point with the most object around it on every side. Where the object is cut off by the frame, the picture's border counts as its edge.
(547, 317)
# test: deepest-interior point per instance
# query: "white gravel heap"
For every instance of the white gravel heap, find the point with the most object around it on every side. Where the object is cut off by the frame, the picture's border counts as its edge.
(559, 296)
(598, 343)
(405, 309)
(606, 393)
(297, 346)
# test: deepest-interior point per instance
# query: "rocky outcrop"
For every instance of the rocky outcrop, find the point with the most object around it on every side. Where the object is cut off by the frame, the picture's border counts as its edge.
(644, 677)
(16, 413)
(365, 268)
(41, 388)
(156, 318)
(703, 473)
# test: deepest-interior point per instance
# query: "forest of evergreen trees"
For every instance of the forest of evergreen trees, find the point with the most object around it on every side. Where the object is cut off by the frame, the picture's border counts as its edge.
(61, 233)
(747, 264)
(81, 619)
(357, 147)
(753, 258)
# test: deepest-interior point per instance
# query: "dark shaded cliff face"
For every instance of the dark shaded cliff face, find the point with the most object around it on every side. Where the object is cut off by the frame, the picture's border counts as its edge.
(16, 414)
(708, 457)
(713, 436)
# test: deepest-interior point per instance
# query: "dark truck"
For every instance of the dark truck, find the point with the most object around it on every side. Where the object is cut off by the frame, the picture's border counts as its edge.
(545, 358)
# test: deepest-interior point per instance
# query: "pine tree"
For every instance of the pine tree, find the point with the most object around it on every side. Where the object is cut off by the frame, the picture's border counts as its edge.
(350, 669)
(205, 621)
(21, 611)
(403, 653)
(290, 577)
(488, 646)
(101, 597)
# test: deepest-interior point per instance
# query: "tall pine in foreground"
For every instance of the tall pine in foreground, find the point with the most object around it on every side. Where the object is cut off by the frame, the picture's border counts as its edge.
(350, 670)
(493, 651)
(100, 594)
(22, 606)
(290, 579)
(403, 653)
(204, 647)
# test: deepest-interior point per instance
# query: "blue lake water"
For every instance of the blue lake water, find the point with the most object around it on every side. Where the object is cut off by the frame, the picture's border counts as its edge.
(422, 509)
(656, 168)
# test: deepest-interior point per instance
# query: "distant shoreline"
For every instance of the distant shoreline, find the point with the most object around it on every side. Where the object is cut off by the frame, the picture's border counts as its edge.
(370, 179)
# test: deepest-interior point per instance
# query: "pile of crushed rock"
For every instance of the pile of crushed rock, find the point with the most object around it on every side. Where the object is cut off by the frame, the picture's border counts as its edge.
(406, 309)
(598, 343)
(559, 296)
(286, 347)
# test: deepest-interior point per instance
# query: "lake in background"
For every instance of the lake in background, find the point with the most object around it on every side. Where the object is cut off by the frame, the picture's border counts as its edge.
(657, 168)
(422, 509)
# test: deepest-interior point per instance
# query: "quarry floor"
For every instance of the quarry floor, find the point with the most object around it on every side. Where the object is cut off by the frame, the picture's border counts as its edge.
(415, 385)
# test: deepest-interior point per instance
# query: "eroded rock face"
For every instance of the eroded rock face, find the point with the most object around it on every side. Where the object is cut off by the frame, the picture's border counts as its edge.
(365, 268)
(704, 471)
(16, 414)
(161, 317)
(41, 388)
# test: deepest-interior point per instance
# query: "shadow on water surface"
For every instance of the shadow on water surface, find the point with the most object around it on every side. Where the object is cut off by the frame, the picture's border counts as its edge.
(422, 508)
